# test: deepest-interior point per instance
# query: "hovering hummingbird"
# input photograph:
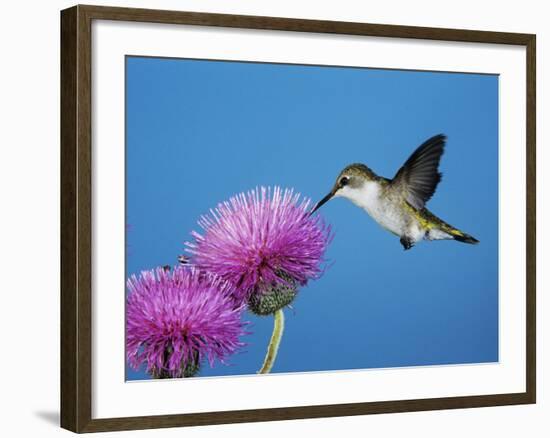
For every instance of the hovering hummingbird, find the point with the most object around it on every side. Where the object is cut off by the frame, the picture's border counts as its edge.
(398, 204)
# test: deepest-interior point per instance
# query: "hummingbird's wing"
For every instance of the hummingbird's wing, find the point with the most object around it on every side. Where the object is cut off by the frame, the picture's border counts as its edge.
(418, 177)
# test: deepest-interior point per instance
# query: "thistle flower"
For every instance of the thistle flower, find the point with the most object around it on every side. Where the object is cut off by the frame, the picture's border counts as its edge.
(264, 243)
(175, 319)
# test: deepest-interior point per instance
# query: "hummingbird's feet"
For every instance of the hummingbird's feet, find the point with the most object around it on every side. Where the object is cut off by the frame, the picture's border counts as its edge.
(406, 242)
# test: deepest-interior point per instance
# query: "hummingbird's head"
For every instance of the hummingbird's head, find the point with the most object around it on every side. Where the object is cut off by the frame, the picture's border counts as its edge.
(350, 180)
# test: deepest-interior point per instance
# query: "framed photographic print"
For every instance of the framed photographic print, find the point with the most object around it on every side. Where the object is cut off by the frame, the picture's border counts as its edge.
(270, 218)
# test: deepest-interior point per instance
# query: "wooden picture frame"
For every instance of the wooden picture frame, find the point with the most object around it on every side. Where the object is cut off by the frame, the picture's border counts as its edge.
(76, 217)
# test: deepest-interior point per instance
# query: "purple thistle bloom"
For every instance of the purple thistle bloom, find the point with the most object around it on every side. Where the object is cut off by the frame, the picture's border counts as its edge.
(260, 241)
(175, 319)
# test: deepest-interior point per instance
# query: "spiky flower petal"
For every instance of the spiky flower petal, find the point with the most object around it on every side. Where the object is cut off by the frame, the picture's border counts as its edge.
(260, 240)
(176, 318)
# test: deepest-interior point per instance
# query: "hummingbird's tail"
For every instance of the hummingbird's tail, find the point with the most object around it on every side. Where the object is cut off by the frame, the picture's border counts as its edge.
(463, 237)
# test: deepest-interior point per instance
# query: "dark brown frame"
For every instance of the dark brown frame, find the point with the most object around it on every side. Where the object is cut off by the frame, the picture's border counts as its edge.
(76, 236)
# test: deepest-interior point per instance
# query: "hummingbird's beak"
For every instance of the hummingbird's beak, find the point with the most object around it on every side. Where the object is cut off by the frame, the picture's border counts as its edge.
(323, 201)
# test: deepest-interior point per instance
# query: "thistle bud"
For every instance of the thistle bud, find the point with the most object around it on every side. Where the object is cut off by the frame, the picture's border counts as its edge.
(268, 298)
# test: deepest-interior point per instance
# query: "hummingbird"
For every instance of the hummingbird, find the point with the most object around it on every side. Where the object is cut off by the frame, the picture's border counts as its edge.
(398, 204)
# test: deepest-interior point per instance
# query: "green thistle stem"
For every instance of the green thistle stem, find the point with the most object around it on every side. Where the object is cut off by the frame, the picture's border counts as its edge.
(273, 347)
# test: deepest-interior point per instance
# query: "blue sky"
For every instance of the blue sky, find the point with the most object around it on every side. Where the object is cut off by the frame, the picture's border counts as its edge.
(199, 132)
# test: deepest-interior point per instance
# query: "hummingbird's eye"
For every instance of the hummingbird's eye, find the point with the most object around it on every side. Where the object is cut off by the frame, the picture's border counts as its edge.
(344, 181)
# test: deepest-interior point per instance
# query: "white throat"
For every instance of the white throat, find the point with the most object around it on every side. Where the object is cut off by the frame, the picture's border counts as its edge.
(382, 210)
(366, 196)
